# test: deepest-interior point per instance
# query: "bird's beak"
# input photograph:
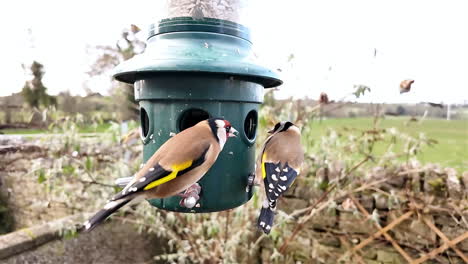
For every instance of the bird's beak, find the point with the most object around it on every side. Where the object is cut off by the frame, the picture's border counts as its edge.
(233, 132)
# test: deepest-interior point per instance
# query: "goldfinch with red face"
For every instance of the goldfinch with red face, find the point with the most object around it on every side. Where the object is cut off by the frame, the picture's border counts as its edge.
(278, 165)
(177, 165)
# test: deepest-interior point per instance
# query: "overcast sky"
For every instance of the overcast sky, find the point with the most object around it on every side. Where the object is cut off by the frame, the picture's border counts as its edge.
(333, 44)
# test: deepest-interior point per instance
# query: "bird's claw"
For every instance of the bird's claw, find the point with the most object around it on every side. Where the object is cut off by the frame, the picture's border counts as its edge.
(190, 196)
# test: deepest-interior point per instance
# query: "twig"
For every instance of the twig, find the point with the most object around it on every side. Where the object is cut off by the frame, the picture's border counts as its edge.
(324, 195)
(301, 224)
(171, 233)
(445, 238)
(226, 228)
(190, 238)
(441, 249)
(387, 236)
(346, 244)
(96, 182)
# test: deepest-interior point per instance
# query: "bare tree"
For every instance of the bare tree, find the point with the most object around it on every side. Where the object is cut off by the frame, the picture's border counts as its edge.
(126, 47)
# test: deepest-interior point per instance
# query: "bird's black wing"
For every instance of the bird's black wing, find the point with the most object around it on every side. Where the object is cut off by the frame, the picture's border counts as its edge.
(157, 175)
(277, 181)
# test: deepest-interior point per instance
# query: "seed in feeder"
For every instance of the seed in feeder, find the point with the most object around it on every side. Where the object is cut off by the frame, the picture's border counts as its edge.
(151, 137)
(207, 45)
(171, 134)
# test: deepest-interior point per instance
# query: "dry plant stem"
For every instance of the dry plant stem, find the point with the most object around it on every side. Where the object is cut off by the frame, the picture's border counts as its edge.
(301, 223)
(445, 238)
(383, 230)
(189, 236)
(172, 234)
(441, 249)
(324, 195)
(387, 236)
(96, 182)
(341, 105)
(348, 247)
(226, 228)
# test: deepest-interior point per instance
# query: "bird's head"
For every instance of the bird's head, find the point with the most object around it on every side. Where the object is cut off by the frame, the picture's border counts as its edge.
(282, 126)
(222, 129)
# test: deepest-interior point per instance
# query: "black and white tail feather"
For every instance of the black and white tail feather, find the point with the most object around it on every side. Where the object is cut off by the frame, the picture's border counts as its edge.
(133, 192)
(277, 181)
(105, 212)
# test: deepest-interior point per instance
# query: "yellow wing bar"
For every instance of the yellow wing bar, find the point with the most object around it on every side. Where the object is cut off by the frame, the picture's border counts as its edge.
(171, 176)
(263, 165)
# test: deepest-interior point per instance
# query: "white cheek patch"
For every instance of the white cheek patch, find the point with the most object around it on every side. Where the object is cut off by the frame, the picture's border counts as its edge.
(220, 123)
(222, 137)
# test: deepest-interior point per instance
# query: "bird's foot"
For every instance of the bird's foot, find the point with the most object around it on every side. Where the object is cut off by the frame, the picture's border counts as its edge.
(190, 196)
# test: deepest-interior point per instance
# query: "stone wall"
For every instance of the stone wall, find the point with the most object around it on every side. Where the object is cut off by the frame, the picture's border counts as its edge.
(435, 194)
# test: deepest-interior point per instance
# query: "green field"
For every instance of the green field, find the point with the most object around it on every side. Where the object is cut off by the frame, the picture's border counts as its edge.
(452, 136)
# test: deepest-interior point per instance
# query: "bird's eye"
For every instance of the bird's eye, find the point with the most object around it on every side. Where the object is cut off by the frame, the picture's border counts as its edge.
(228, 128)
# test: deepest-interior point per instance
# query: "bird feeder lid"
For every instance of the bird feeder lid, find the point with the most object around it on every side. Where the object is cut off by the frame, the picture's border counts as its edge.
(198, 46)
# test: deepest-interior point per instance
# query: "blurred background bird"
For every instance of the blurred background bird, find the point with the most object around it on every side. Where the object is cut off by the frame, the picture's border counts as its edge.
(405, 86)
(278, 165)
(131, 137)
(176, 166)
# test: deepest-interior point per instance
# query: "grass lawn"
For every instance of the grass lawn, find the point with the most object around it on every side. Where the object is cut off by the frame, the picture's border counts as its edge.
(452, 136)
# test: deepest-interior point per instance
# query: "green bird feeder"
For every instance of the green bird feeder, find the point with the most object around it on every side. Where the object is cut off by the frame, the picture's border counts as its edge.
(194, 69)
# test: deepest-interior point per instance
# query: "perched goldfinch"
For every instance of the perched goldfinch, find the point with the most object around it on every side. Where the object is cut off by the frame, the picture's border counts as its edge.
(177, 165)
(278, 164)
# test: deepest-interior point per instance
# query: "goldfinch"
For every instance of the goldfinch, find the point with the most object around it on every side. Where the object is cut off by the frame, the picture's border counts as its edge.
(177, 165)
(279, 163)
